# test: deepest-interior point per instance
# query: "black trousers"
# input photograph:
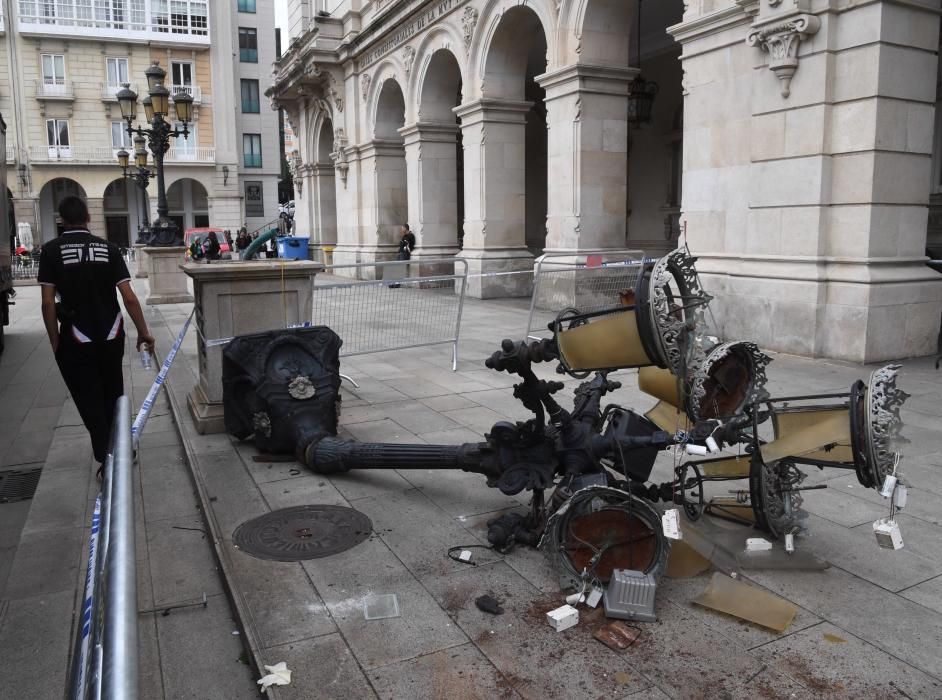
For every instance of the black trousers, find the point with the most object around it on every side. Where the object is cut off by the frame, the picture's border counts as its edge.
(93, 374)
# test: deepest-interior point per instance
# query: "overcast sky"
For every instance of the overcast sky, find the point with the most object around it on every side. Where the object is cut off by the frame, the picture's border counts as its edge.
(281, 15)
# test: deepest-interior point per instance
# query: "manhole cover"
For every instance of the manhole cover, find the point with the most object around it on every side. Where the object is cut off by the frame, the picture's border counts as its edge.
(303, 532)
(19, 484)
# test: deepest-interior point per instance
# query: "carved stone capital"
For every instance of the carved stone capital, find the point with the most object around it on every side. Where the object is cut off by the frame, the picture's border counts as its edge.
(781, 41)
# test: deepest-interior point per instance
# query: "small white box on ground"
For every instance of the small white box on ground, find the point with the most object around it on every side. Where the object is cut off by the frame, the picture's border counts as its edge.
(594, 597)
(888, 533)
(670, 523)
(758, 544)
(563, 618)
(465, 555)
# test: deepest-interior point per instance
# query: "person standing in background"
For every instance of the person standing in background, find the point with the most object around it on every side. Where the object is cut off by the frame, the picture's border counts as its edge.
(406, 243)
(85, 327)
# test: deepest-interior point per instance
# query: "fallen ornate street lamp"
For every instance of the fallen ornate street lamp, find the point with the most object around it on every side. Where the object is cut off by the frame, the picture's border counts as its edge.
(163, 232)
(141, 177)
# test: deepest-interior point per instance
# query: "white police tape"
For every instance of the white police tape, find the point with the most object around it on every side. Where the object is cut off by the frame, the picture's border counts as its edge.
(141, 419)
(86, 631)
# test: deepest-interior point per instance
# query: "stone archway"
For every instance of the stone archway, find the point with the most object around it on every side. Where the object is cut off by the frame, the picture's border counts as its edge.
(324, 189)
(506, 168)
(389, 208)
(50, 195)
(435, 160)
(188, 203)
(124, 205)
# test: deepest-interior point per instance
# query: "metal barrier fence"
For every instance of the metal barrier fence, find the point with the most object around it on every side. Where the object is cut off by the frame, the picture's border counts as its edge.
(26, 266)
(589, 281)
(105, 655)
(398, 309)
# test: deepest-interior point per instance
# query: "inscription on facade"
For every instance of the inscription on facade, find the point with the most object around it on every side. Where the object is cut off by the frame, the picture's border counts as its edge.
(424, 19)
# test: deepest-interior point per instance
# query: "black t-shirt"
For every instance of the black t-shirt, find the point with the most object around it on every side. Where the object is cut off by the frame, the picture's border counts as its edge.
(85, 271)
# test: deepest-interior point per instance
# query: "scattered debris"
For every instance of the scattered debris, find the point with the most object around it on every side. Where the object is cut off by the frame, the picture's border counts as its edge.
(277, 675)
(617, 635)
(563, 618)
(489, 604)
(888, 533)
(622, 678)
(594, 597)
(758, 544)
(834, 639)
(381, 607)
(464, 555)
(630, 596)
(670, 521)
(746, 602)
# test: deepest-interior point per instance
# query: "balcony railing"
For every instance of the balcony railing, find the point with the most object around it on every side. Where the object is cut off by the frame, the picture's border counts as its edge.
(107, 155)
(138, 20)
(193, 91)
(11, 148)
(54, 91)
(109, 92)
(197, 154)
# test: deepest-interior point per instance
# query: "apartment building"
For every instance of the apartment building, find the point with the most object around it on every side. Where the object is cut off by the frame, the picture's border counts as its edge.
(62, 63)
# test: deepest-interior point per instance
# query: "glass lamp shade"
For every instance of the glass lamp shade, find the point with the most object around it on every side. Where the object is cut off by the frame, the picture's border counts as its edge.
(123, 158)
(155, 76)
(160, 99)
(183, 103)
(640, 100)
(140, 158)
(139, 143)
(127, 100)
(148, 109)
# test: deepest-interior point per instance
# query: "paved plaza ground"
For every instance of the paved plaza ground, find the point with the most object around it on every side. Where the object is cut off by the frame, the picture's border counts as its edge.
(870, 625)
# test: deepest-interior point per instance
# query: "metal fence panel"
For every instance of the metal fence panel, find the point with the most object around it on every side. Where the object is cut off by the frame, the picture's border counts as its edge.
(589, 281)
(398, 309)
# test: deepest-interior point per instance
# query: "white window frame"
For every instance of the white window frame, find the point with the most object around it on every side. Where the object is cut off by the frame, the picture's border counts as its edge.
(56, 60)
(117, 62)
(124, 141)
(54, 139)
(185, 148)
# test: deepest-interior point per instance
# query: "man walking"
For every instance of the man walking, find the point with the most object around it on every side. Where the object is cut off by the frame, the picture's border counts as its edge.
(86, 328)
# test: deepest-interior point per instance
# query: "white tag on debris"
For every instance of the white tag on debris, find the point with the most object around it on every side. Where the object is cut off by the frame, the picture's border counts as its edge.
(670, 523)
(277, 675)
(465, 555)
(594, 597)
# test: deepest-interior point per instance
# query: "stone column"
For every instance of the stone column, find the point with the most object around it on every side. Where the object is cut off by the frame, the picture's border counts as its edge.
(324, 189)
(806, 197)
(588, 156)
(140, 258)
(236, 298)
(493, 133)
(432, 163)
(383, 205)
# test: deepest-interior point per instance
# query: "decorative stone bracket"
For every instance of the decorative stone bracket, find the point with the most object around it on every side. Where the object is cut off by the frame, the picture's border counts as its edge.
(781, 41)
(339, 156)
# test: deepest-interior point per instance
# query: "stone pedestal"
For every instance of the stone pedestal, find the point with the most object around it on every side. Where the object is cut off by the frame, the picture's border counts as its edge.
(236, 298)
(140, 257)
(166, 281)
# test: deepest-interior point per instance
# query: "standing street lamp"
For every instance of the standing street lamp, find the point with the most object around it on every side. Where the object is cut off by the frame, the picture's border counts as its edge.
(163, 232)
(141, 176)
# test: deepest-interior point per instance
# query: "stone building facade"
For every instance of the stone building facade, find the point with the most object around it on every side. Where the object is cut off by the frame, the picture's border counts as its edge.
(61, 65)
(793, 146)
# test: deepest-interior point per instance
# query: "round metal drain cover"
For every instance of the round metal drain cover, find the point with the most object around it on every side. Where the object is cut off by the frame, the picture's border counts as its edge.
(303, 532)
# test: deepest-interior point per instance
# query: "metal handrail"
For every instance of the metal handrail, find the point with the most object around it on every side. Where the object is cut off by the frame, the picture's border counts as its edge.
(106, 646)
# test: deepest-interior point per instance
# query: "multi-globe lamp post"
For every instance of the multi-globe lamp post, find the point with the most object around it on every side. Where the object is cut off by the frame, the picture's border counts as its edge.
(163, 232)
(141, 176)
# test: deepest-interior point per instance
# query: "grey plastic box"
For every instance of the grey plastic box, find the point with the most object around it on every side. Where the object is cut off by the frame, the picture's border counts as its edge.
(630, 596)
